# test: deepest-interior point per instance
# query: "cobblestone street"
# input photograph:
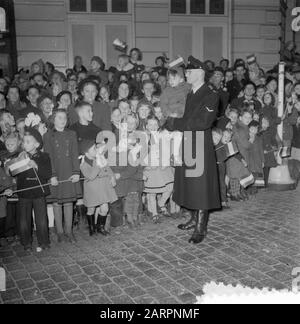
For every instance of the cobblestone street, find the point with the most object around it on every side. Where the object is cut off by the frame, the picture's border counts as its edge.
(255, 244)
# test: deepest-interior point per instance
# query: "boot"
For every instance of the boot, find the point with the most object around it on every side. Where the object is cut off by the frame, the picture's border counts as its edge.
(91, 222)
(101, 225)
(79, 216)
(190, 224)
(200, 233)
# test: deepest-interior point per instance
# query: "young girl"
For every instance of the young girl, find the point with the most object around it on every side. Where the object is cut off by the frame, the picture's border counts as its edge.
(143, 111)
(61, 144)
(64, 100)
(159, 179)
(98, 187)
(124, 107)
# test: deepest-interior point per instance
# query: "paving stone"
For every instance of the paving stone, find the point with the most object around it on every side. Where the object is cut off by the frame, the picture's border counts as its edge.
(20, 274)
(134, 291)
(89, 288)
(123, 282)
(46, 285)
(91, 270)
(75, 296)
(145, 282)
(53, 295)
(101, 279)
(25, 284)
(32, 294)
(73, 270)
(39, 276)
(53, 269)
(60, 277)
(112, 290)
(67, 286)
(100, 300)
(10, 295)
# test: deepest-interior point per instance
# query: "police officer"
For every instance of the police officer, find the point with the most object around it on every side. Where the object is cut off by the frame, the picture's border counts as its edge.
(196, 186)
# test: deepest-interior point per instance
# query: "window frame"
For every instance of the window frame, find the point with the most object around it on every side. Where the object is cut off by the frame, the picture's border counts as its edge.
(108, 12)
(207, 10)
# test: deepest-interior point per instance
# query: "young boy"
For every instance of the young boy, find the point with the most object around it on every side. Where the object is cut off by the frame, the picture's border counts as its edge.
(256, 154)
(35, 199)
(33, 94)
(85, 129)
(173, 98)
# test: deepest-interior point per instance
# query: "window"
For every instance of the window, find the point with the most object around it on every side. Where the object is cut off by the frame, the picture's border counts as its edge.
(178, 6)
(78, 5)
(197, 7)
(119, 6)
(100, 6)
(217, 7)
(2, 20)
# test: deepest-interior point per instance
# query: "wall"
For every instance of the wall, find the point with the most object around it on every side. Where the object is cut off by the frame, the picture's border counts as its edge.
(256, 30)
(41, 31)
(152, 28)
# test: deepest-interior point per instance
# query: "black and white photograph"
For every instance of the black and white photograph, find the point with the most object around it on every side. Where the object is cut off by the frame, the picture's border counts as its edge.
(149, 155)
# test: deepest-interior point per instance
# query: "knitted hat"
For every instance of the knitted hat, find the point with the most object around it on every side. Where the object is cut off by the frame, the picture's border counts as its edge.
(36, 135)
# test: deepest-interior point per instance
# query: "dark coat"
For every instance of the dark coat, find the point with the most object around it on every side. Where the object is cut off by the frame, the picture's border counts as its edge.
(28, 178)
(200, 192)
(63, 150)
(234, 88)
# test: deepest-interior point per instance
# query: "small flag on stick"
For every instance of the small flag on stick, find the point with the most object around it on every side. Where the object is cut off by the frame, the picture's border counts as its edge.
(18, 165)
(226, 151)
(120, 45)
(178, 62)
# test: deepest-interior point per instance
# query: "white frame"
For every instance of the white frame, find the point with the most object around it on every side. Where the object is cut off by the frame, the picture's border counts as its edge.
(207, 7)
(109, 9)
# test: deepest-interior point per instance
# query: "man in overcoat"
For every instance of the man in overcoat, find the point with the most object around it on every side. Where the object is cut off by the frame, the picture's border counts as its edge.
(196, 184)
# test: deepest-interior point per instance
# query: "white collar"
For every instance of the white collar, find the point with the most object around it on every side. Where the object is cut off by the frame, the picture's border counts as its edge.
(195, 89)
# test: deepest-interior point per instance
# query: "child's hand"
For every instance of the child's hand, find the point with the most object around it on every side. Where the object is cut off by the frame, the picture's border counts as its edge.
(245, 163)
(75, 178)
(118, 176)
(54, 182)
(8, 192)
(33, 165)
(145, 178)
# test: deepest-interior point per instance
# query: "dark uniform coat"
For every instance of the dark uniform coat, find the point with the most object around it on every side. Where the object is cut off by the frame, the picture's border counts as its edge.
(63, 150)
(202, 192)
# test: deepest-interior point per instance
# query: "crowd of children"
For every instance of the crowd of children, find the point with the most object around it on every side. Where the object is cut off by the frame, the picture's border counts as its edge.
(58, 123)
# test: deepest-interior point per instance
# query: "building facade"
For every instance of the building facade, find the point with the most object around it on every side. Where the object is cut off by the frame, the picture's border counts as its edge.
(57, 30)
